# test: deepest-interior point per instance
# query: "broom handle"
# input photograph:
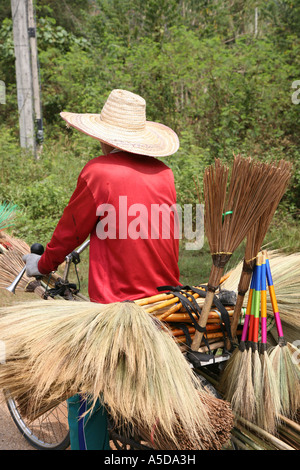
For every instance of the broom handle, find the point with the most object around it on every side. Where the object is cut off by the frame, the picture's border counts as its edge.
(274, 300)
(256, 303)
(263, 302)
(203, 320)
(251, 307)
(247, 315)
(236, 314)
(244, 281)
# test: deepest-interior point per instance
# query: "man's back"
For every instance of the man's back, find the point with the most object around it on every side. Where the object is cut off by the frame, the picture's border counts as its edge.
(126, 204)
(133, 245)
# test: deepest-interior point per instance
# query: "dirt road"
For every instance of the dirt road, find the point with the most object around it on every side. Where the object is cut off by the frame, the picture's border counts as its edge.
(10, 437)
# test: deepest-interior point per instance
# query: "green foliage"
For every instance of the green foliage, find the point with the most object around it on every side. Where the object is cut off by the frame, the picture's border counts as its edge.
(201, 68)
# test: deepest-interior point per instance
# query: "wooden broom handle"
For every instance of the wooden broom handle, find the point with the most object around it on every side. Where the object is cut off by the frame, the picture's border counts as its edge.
(235, 318)
(203, 320)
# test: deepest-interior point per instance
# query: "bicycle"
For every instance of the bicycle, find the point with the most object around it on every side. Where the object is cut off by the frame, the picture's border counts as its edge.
(50, 431)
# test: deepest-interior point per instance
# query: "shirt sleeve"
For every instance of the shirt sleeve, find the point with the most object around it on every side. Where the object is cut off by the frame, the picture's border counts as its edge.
(77, 222)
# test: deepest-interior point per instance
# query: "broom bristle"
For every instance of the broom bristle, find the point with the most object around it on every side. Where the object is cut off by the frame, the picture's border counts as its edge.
(288, 379)
(269, 402)
(14, 243)
(243, 399)
(219, 413)
(11, 264)
(230, 375)
(114, 352)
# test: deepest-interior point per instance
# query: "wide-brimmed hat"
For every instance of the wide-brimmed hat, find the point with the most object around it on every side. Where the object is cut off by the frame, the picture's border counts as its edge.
(122, 124)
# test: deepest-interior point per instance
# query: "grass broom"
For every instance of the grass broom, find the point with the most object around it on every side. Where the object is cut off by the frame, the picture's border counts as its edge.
(116, 352)
(229, 220)
(246, 381)
(287, 373)
(254, 242)
(269, 400)
(254, 346)
(237, 373)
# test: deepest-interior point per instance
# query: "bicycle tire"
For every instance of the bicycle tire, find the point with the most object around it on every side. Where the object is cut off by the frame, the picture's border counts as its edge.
(49, 432)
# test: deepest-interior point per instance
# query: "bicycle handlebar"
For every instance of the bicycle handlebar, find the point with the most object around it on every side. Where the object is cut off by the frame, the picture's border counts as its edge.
(38, 249)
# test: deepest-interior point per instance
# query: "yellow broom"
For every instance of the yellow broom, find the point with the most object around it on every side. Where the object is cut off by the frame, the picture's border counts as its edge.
(116, 352)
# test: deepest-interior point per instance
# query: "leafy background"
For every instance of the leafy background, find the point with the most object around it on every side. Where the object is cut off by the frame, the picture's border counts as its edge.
(203, 70)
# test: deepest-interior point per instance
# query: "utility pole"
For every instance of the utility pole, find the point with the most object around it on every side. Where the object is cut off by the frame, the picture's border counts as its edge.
(28, 92)
(255, 21)
(35, 76)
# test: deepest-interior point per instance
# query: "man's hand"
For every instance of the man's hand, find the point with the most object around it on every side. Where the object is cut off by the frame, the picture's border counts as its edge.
(31, 261)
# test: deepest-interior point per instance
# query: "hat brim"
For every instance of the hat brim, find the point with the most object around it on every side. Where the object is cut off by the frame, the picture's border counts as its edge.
(154, 140)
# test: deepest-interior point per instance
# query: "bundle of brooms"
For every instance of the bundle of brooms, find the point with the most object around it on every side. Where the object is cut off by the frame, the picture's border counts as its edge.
(168, 308)
(219, 411)
(230, 213)
(262, 386)
(118, 353)
(255, 239)
(286, 276)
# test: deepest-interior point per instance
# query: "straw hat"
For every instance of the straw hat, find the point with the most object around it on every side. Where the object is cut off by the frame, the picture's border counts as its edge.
(122, 124)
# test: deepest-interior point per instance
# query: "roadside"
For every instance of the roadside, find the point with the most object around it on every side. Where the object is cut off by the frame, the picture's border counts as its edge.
(10, 436)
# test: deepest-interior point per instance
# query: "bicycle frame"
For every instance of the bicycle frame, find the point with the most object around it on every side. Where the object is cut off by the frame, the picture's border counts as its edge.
(70, 258)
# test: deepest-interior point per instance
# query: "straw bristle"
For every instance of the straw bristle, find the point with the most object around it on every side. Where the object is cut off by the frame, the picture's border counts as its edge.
(288, 379)
(243, 399)
(231, 374)
(269, 402)
(220, 414)
(257, 381)
(114, 352)
(246, 202)
(11, 264)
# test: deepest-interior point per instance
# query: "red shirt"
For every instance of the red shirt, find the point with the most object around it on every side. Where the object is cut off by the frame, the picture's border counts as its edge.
(116, 202)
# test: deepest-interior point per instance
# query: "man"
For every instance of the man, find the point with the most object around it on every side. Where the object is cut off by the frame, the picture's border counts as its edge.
(120, 200)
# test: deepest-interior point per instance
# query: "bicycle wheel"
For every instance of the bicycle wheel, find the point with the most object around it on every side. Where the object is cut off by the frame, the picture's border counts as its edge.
(48, 432)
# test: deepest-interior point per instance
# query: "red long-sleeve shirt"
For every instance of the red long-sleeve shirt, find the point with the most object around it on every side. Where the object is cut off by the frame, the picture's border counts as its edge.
(116, 202)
